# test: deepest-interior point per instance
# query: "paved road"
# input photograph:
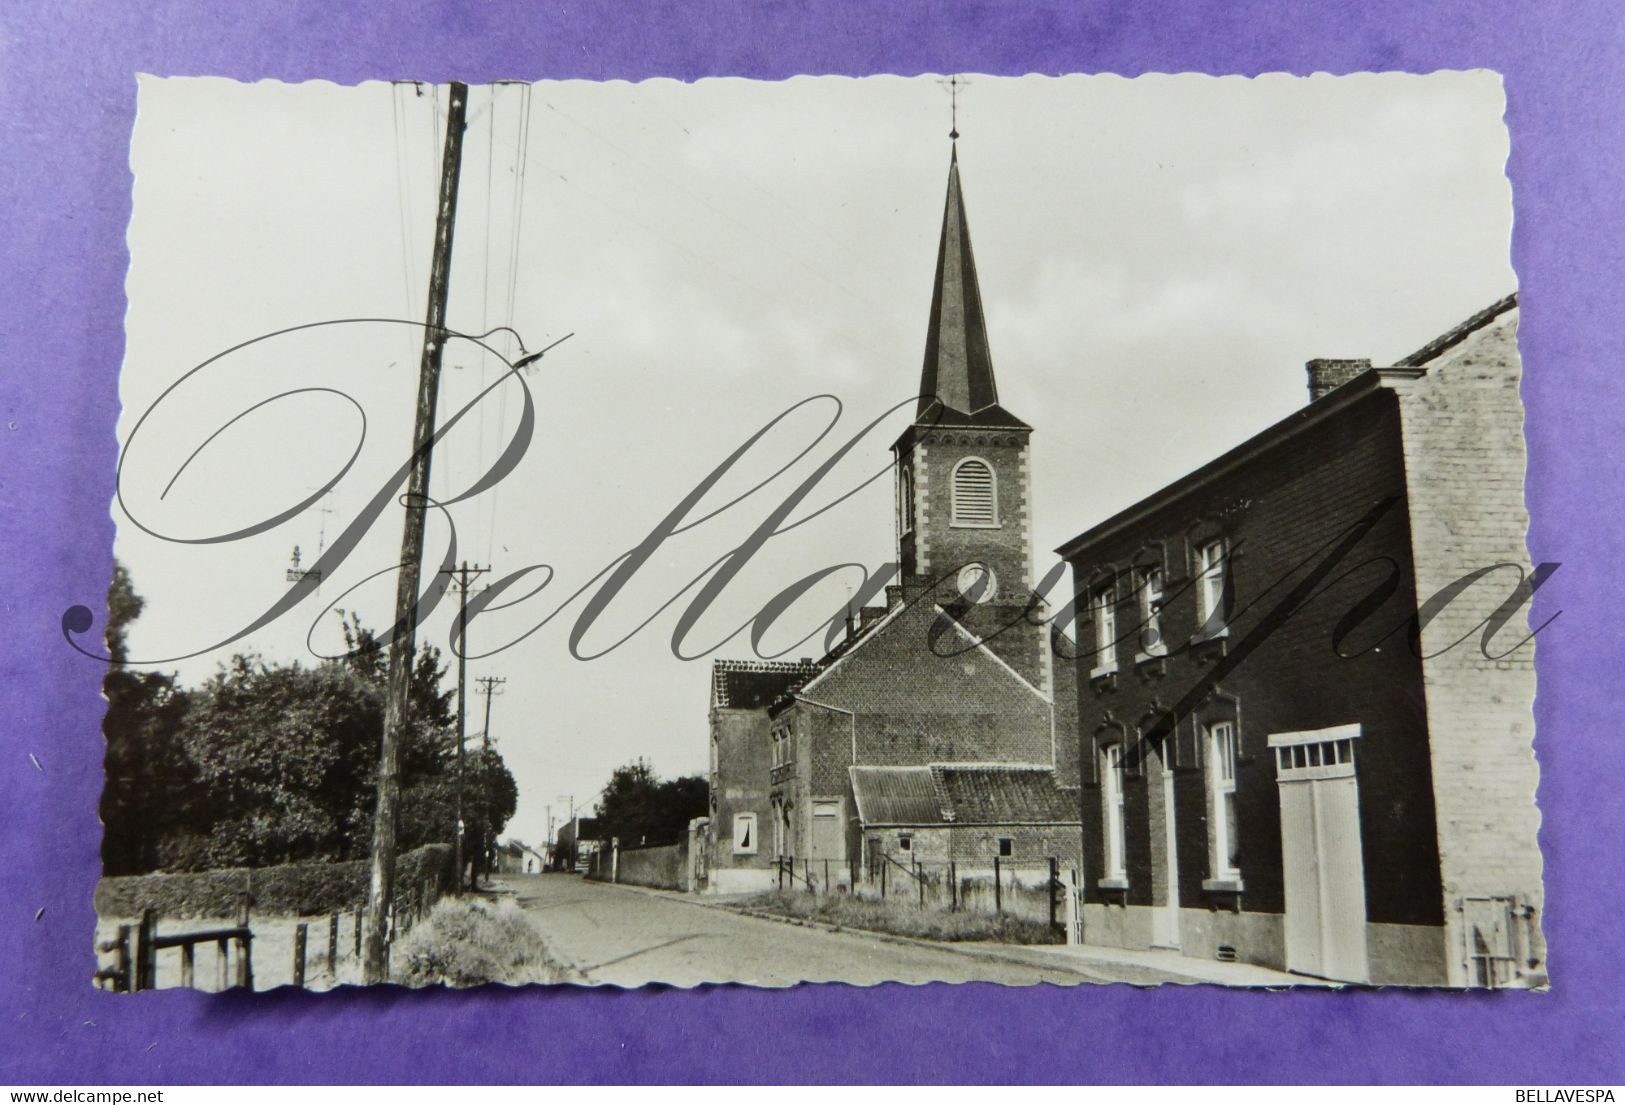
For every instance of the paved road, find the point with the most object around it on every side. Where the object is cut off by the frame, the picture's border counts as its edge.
(627, 937)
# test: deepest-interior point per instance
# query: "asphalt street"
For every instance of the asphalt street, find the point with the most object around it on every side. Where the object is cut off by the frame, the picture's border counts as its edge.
(624, 936)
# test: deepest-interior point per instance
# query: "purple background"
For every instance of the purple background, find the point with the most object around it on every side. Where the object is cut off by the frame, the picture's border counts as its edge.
(69, 102)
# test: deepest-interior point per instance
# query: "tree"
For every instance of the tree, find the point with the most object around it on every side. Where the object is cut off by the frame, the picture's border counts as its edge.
(148, 784)
(639, 808)
(267, 763)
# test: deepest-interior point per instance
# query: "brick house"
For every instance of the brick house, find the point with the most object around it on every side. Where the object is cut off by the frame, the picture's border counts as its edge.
(1271, 771)
(954, 671)
(741, 749)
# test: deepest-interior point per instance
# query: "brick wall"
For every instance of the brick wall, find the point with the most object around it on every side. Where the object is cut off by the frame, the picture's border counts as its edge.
(1464, 452)
(1276, 510)
(913, 706)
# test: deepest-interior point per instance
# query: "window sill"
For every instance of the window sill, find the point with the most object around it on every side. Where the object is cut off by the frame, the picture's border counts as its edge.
(1143, 658)
(1103, 672)
(1231, 885)
(1112, 884)
(975, 525)
(1218, 634)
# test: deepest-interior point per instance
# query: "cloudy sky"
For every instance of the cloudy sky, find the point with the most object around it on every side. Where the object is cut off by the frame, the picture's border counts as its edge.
(1158, 257)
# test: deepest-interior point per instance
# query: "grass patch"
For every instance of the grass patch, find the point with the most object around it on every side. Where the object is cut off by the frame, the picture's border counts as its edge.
(472, 941)
(901, 918)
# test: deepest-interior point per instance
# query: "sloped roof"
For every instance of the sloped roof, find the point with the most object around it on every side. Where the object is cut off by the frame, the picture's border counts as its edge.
(995, 794)
(1455, 336)
(752, 684)
(961, 794)
(896, 796)
(958, 368)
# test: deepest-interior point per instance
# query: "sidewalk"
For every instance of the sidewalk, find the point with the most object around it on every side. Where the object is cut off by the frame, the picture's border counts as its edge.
(1185, 969)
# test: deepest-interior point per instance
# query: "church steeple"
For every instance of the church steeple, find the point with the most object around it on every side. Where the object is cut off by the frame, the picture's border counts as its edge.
(958, 368)
(964, 492)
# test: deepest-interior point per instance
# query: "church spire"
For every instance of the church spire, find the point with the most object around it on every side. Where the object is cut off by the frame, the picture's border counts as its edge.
(958, 365)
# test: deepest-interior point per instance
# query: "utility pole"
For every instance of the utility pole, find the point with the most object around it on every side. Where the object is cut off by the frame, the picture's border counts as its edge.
(403, 642)
(462, 576)
(490, 687)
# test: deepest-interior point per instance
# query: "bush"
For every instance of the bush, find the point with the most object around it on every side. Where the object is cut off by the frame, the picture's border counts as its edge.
(468, 942)
(298, 889)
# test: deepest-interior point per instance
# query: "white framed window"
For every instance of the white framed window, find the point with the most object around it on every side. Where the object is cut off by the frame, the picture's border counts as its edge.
(1318, 754)
(745, 839)
(1211, 568)
(975, 494)
(1151, 641)
(1103, 608)
(783, 747)
(905, 843)
(1223, 750)
(1111, 800)
(905, 499)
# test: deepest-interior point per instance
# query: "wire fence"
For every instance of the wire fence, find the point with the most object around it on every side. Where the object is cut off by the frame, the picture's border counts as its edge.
(1031, 888)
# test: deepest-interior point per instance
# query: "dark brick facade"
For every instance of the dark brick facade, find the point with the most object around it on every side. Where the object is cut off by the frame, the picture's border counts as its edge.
(1280, 513)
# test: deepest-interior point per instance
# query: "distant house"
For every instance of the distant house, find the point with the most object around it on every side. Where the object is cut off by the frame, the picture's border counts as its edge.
(515, 857)
(1312, 791)
(951, 680)
(576, 843)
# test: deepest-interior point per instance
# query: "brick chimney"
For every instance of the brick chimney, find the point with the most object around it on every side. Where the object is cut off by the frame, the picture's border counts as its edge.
(1327, 374)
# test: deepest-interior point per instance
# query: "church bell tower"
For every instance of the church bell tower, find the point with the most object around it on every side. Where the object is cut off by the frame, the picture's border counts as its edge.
(964, 520)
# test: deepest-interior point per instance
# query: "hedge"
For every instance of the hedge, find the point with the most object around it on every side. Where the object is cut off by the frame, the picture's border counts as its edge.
(291, 889)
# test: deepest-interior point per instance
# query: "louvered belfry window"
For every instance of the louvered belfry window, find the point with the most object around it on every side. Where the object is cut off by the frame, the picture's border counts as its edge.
(976, 494)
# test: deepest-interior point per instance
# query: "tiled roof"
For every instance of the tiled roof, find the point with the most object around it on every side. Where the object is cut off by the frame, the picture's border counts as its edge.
(896, 796)
(752, 684)
(991, 794)
(961, 794)
(1454, 337)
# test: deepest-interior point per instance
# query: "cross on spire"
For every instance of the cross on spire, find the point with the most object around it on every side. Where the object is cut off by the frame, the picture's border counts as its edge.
(953, 84)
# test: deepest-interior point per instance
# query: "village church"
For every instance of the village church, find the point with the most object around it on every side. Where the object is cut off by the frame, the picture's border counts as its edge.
(940, 729)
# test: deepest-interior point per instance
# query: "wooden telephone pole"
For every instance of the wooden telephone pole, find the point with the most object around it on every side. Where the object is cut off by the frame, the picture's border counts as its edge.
(462, 575)
(403, 643)
(490, 687)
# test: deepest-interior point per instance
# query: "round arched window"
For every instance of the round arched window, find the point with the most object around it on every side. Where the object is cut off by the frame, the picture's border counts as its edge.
(978, 583)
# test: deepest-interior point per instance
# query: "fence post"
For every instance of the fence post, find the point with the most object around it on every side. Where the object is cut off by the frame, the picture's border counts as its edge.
(146, 954)
(953, 887)
(122, 962)
(222, 949)
(188, 963)
(826, 876)
(333, 946)
(1054, 882)
(245, 945)
(299, 954)
(806, 873)
(998, 887)
(919, 877)
(358, 932)
(885, 862)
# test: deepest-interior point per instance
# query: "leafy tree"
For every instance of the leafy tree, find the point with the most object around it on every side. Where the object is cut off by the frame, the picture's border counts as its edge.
(639, 808)
(149, 782)
(267, 763)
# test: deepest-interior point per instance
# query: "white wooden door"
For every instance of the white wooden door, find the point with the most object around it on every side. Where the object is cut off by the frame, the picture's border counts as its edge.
(1324, 869)
(1165, 915)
